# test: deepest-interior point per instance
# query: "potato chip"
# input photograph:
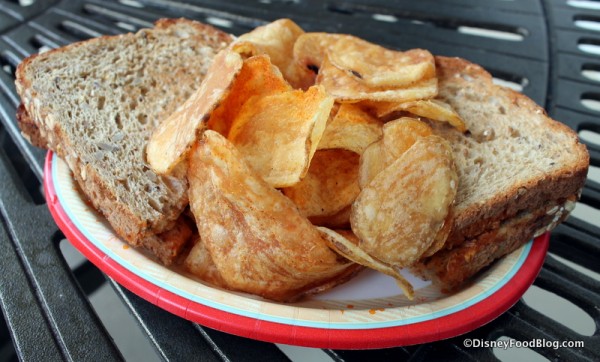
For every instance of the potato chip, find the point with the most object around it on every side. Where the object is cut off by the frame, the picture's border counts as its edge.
(440, 238)
(345, 243)
(348, 89)
(200, 263)
(399, 135)
(310, 49)
(351, 129)
(340, 220)
(277, 40)
(246, 49)
(172, 140)
(399, 213)
(256, 237)
(377, 66)
(257, 77)
(278, 134)
(330, 185)
(433, 109)
(372, 162)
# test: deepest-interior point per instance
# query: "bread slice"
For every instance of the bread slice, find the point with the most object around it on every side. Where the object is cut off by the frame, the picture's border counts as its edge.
(520, 172)
(96, 102)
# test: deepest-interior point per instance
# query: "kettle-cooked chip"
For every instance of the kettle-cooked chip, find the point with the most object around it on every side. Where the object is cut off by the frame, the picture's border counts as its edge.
(399, 213)
(310, 49)
(330, 185)
(433, 109)
(345, 243)
(398, 136)
(172, 140)
(351, 129)
(346, 88)
(372, 162)
(257, 77)
(200, 263)
(340, 220)
(277, 40)
(246, 49)
(278, 134)
(377, 66)
(256, 237)
(440, 238)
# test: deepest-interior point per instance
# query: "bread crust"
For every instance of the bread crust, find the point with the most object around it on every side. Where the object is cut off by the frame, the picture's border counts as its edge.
(29, 128)
(42, 130)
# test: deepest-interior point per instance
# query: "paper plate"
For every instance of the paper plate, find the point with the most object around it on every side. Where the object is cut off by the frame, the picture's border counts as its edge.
(367, 312)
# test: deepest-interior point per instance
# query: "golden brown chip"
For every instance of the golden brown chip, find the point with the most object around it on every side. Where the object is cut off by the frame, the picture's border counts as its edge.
(310, 49)
(351, 129)
(200, 263)
(257, 77)
(345, 243)
(330, 185)
(256, 237)
(340, 220)
(440, 238)
(346, 88)
(278, 134)
(399, 213)
(245, 48)
(277, 40)
(433, 109)
(372, 162)
(377, 66)
(175, 136)
(399, 135)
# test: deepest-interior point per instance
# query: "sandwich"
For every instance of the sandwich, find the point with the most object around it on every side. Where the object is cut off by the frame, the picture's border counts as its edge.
(512, 173)
(520, 173)
(95, 103)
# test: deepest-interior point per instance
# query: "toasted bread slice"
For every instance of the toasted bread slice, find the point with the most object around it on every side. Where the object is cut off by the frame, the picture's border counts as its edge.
(520, 172)
(514, 156)
(96, 102)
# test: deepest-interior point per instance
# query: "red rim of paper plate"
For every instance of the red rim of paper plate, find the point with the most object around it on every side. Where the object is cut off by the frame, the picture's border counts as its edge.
(451, 325)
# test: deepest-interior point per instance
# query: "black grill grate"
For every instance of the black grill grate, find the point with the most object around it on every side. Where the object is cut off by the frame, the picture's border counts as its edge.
(534, 46)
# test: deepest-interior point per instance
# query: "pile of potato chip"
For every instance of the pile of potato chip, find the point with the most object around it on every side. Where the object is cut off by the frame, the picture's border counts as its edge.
(301, 148)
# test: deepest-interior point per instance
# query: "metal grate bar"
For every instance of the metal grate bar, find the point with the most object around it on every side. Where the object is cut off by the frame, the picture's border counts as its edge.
(576, 245)
(237, 348)
(390, 354)
(8, 103)
(69, 316)
(30, 331)
(193, 340)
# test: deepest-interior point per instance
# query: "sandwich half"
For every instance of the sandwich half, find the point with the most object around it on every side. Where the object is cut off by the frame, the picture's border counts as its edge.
(520, 172)
(96, 102)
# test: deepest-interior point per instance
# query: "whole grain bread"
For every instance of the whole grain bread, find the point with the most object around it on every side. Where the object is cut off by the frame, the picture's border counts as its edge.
(520, 172)
(514, 156)
(96, 102)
